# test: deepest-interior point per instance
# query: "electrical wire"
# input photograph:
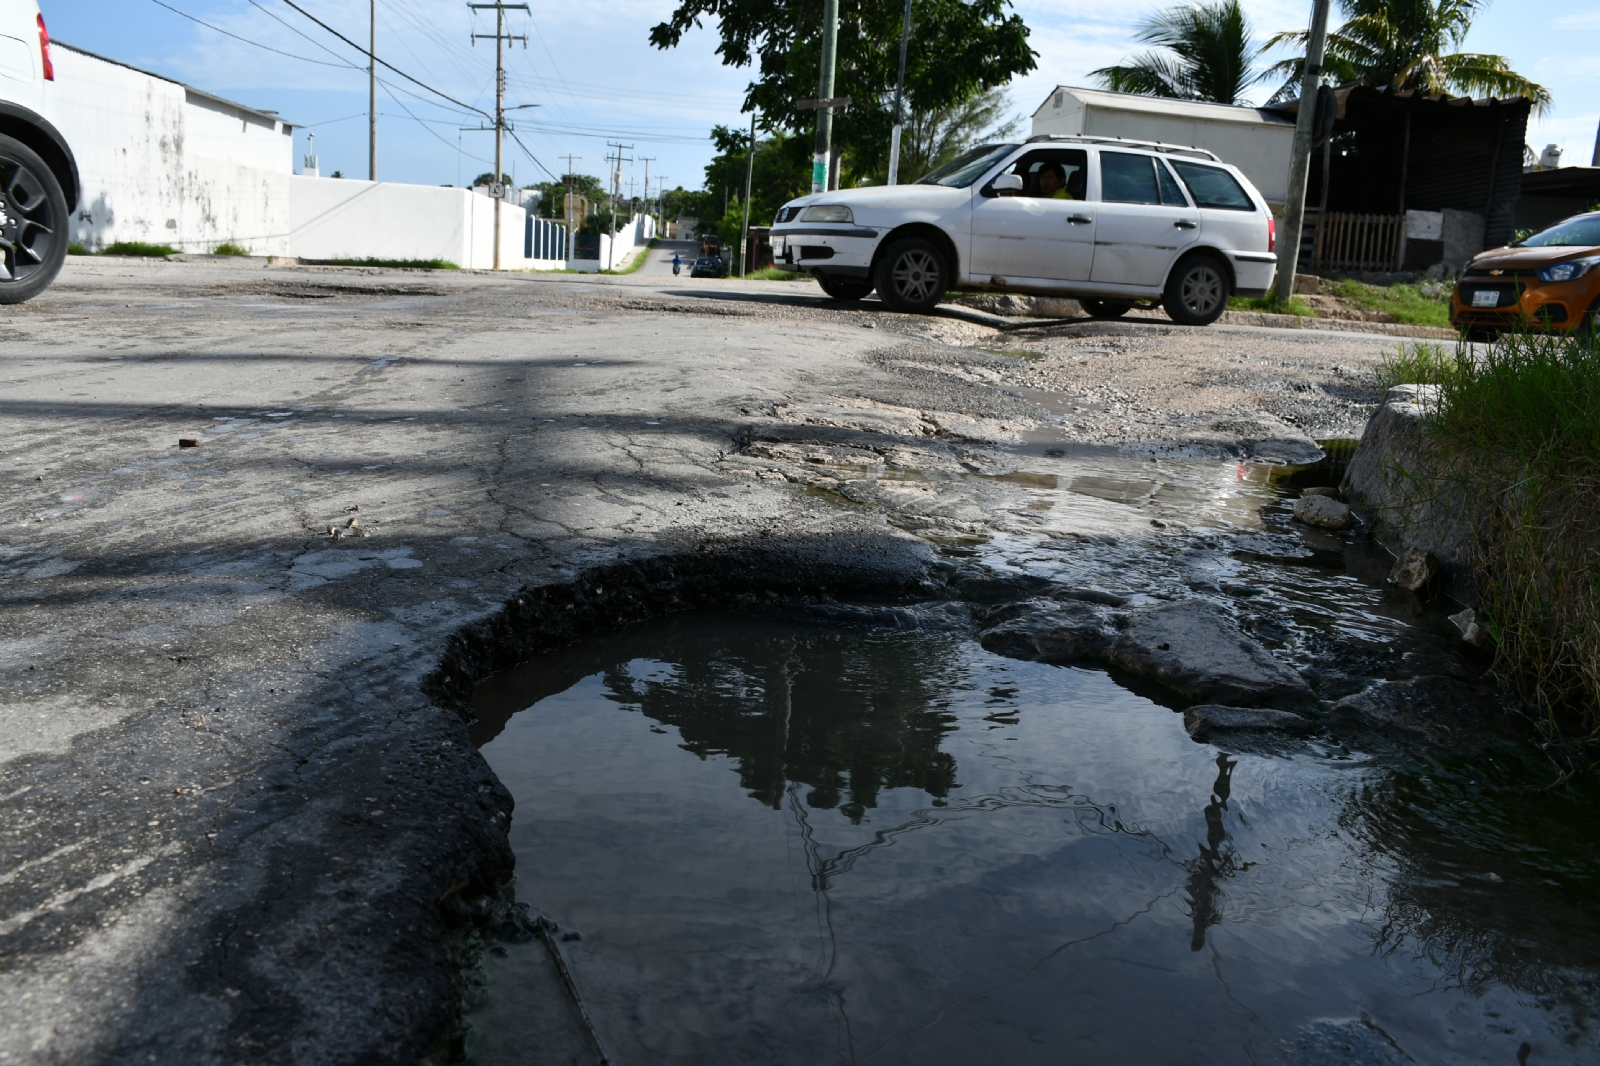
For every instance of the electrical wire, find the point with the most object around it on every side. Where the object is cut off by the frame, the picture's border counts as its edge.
(246, 40)
(385, 62)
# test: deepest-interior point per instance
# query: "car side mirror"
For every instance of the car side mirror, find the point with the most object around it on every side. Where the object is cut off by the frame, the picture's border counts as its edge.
(1006, 185)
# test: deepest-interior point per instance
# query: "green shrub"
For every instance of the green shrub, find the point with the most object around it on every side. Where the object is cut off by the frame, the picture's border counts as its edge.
(1515, 430)
(1405, 301)
(774, 274)
(230, 248)
(74, 248)
(1415, 364)
(155, 251)
(1271, 305)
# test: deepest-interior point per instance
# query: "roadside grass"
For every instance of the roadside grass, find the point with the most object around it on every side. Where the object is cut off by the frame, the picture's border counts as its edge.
(1416, 364)
(230, 248)
(1404, 300)
(139, 248)
(1271, 305)
(775, 274)
(400, 264)
(74, 248)
(1515, 427)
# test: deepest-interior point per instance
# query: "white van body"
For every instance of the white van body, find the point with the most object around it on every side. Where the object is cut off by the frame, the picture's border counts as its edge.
(1096, 246)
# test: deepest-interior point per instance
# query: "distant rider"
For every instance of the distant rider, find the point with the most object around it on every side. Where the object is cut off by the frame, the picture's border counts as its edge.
(677, 262)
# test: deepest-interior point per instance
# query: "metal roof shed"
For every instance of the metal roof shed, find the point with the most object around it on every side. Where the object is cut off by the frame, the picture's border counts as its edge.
(1255, 140)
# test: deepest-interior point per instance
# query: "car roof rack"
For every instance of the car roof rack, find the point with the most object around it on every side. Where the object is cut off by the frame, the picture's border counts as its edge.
(1154, 146)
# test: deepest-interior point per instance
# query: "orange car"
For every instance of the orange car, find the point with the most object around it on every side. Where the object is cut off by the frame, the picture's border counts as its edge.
(1551, 280)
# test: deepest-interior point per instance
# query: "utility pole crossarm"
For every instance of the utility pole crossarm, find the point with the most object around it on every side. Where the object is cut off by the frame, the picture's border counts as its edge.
(500, 37)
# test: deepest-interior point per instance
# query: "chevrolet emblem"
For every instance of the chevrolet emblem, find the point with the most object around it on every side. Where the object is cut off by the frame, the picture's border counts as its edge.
(1497, 273)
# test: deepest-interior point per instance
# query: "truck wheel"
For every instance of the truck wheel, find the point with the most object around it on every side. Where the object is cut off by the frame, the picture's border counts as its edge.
(1105, 308)
(1197, 290)
(913, 275)
(842, 288)
(33, 223)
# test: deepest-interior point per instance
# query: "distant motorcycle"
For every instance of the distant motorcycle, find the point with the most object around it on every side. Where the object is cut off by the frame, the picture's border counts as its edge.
(677, 265)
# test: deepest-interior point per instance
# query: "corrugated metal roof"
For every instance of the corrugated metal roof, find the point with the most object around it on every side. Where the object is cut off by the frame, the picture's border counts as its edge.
(1162, 105)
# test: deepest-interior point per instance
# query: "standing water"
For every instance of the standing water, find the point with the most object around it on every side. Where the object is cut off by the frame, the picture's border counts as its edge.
(774, 840)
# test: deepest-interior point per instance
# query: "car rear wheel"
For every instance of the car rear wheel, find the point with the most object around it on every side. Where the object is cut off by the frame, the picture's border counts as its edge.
(913, 275)
(841, 288)
(1105, 308)
(33, 223)
(1197, 290)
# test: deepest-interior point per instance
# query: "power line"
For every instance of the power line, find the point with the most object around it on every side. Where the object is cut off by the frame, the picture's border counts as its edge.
(385, 62)
(246, 40)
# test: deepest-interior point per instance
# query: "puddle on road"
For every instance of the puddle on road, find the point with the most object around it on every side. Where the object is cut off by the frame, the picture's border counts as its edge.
(783, 841)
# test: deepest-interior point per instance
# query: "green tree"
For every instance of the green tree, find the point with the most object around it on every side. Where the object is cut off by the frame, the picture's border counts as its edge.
(1411, 44)
(1209, 55)
(959, 48)
(932, 138)
(779, 176)
(487, 178)
(552, 193)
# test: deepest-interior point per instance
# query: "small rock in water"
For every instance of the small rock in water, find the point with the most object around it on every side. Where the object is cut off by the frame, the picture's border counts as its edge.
(1471, 631)
(1414, 569)
(1440, 709)
(1195, 648)
(1213, 718)
(1323, 511)
(1051, 632)
(1321, 490)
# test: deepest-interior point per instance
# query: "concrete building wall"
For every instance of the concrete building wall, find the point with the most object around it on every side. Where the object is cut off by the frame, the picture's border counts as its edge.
(166, 164)
(336, 218)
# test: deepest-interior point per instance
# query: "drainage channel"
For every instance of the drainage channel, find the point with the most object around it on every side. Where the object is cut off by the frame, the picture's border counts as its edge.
(835, 834)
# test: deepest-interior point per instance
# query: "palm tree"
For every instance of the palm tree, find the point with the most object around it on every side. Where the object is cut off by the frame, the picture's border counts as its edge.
(1209, 55)
(1409, 44)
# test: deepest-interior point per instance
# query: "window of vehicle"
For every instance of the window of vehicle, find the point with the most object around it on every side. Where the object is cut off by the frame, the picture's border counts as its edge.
(967, 167)
(1580, 232)
(1053, 173)
(1128, 179)
(1213, 187)
(1171, 191)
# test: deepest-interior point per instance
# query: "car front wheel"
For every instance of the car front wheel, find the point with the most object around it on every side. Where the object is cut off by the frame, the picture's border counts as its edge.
(1197, 291)
(33, 223)
(842, 288)
(913, 275)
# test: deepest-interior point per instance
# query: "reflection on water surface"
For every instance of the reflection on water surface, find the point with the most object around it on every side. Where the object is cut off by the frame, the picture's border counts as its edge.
(788, 843)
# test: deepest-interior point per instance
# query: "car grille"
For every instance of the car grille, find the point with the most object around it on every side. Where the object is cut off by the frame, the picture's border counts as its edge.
(1505, 294)
(787, 214)
(1504, 275)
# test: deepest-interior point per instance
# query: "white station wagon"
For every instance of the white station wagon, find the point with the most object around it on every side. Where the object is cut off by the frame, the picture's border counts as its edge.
(1109, 222)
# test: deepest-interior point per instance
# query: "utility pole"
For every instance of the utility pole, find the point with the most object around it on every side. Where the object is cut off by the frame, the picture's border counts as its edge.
(749, 176)
(1294, 209)
(616, 162)
(372, 99)
(899, 96)
(647, 160)
(496, 187)
(830, 47)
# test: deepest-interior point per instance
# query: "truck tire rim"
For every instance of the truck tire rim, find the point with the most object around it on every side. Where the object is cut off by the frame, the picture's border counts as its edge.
(915, 274)
(26, 228)
(1201, 291)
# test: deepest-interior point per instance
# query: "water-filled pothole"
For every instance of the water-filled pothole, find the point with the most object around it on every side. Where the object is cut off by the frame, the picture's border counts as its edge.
(785, 841)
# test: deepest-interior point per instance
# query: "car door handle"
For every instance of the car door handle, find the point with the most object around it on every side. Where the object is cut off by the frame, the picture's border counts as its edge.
(1184, 225)
(1079, 220)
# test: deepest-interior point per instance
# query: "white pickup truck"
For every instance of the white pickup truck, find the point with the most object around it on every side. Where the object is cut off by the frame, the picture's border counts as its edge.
(38, 175)
(1109, 222)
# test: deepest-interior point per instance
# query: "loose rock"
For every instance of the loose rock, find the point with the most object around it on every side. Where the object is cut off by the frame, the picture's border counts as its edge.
(1195, 648)
(1471, 632)
(1414, 569)
(1214, 718)
(1321, 490)
(1438, 709)
(1323, 511)
(1052, 632)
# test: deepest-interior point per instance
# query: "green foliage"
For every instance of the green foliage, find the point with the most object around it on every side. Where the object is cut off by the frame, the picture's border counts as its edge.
(1210, 55)
(775, 274)
(74, 248)
(140, 248)
(1414, 364)
(1272, 305)
(683, 203)
(552, 194)
(932, 138)
(1405, 301)
(729, 229)
(1515, 426)
(1410, 44)
(487, 178)
(781, 173)
(230, 248)
(958, 49)
(404, 264)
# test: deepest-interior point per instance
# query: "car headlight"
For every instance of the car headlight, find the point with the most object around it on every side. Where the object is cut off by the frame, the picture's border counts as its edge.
(1572, 268)
(827, 213)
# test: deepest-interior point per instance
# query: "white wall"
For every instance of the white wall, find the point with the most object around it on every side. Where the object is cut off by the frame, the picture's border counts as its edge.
(618, 250)
(339, 218)
(169, 165)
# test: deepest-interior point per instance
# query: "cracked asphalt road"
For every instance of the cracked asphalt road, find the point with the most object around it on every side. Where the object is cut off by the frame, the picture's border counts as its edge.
(229, 812)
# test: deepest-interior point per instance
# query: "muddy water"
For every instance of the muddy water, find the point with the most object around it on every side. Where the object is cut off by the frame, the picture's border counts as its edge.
(784, 841)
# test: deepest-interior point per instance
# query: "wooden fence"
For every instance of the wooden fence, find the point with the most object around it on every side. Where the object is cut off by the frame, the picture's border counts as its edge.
(1358, 242)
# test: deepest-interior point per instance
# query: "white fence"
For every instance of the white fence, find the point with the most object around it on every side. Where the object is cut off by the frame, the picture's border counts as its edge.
(337, 218)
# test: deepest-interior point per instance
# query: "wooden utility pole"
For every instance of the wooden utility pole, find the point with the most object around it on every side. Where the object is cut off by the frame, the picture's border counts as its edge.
(1294, 208)
(497, 187)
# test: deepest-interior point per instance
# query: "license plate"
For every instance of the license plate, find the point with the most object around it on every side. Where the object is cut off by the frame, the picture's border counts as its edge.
(1486, 298)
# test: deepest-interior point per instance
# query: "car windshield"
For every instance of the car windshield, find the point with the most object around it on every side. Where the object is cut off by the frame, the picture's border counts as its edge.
(1580, 232)
(967, 167)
